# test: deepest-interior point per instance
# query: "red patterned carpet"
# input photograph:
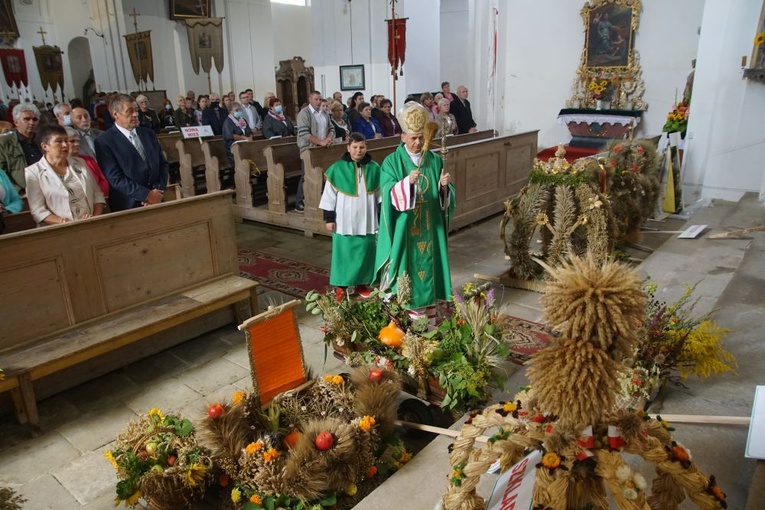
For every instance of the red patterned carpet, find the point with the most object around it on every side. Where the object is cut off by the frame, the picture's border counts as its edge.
(572, 153)
(282, 274)
(526, 338)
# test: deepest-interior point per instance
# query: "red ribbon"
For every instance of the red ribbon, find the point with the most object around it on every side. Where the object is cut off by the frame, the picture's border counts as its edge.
(615, 440)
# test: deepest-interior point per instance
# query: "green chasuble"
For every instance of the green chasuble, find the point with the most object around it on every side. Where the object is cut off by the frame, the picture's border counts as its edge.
(413, 241)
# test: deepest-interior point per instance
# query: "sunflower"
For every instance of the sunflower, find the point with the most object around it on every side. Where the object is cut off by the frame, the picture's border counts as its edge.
(195, 474)
(759, 39)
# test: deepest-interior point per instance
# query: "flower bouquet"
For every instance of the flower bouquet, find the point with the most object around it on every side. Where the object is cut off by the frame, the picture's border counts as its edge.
(676, 345)
(677, 119)
(157, 458)
(454, 365)
(308, 449)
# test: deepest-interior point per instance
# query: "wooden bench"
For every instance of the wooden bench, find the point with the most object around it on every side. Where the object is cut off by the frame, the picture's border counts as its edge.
(487, 169)
(192, 163)
(487, 172)
(168, 141)
(217, 167)
(246, 156)
(283, 161)
(118, 287)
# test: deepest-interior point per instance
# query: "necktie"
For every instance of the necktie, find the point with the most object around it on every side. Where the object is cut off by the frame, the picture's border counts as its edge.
(137, 144)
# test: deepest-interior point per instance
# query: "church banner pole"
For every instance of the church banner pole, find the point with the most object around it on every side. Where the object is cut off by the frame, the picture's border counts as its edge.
(394, 67)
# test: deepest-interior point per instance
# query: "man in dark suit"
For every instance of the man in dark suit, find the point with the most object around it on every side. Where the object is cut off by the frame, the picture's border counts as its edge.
(214, 115)
(131, 159)
(460, 108)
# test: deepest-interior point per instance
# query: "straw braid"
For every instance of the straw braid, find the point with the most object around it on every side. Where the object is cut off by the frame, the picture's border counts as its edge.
(607, 464)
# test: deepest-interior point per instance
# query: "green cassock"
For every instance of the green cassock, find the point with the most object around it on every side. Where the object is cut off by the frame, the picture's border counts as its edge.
(353, 256)
(414, 241)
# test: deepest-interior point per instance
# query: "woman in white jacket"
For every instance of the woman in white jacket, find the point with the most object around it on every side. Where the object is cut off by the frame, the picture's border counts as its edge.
(59, 188)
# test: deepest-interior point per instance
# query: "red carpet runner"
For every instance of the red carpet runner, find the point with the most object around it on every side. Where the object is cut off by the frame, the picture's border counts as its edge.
(572, 153)
(526, 338)
(281, 274)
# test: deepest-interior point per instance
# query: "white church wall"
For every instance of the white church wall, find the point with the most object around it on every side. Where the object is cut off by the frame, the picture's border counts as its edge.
(422, 67)
(457, 45)
(293, 36)
(544, 41)
(725, 143)
(355, 33)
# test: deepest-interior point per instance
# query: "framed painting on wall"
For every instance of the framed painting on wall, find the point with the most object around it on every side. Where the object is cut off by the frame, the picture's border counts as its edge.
(8, 27)
(183, 9)
(610, 35)
(352, 77)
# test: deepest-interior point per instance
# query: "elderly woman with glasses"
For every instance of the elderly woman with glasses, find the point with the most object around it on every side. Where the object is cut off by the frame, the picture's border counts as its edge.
(61, 188)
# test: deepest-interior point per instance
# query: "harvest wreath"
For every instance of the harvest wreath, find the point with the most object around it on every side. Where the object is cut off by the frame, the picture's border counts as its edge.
(305, 450)
(569, 412)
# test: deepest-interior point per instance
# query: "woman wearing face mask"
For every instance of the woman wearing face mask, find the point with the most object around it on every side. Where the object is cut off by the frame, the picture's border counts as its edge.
(275, 123)
(167, 116)
(235, 129)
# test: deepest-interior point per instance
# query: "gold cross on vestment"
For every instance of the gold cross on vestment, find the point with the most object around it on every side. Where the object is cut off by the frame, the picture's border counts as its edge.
(134, 15)
(42, 34)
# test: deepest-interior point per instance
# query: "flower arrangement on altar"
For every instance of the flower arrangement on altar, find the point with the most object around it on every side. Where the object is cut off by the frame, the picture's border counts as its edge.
(157, 458)
(677, 119)
(602, 89)
(676, 345)
(455, 364)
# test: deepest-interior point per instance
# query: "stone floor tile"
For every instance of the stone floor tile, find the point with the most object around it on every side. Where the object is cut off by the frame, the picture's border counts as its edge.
(207, 377)
(155, 368)
(46, 493)
(167, 394)
(88, 477)
(98, 427)
(39, 455)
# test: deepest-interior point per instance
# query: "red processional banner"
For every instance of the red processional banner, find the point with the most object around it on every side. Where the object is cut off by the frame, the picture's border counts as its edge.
(396, 43)
(14, 67)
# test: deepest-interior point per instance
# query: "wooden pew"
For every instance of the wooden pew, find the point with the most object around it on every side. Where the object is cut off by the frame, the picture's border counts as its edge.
(247, 155)
(168, 141)
(19, 222)
(487, 172)
(192, 160)
(283, 162)
(216, 164)
(486, 169)
(82, 298)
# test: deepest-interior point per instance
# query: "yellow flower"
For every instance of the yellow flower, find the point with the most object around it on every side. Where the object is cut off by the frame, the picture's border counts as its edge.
(542, 219)
(591, 86)
(351, 490)
(510, 407)
(759, 39)
(334, 379)
(604, 83)
(366, 423)
(133, 499)
(256, 499)
(195, 474)
(253, 447)
(551, 460)
(236, 495)
(405, 457)
(156, 412)
(110, 457)
(270, 455)
(238, 396)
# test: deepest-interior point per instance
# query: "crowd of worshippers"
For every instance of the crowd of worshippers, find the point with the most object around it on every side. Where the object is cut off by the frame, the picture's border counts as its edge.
(72, 161)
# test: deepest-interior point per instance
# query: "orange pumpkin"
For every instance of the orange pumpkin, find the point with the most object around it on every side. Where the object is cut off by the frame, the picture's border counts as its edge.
(291, 439)
(391, 335)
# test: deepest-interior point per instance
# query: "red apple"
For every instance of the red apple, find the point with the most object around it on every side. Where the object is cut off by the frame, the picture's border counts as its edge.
(375, 374)
(324, 441)
(171, 460)
(215, 411)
